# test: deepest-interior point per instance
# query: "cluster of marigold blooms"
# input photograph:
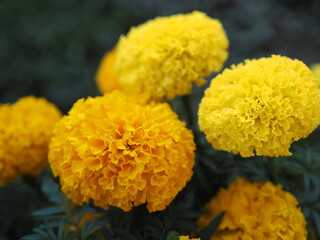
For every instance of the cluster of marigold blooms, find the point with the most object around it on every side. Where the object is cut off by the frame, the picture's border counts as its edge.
(128, 147)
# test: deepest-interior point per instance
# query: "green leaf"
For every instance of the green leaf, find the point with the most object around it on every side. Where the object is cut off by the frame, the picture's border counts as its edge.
(50, 231)
(33, 237)
(208, 231)
(89, 228)
(47, 211)
(52, 190)
(41, 232)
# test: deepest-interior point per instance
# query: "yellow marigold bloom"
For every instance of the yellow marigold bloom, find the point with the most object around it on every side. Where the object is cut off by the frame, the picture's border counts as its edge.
(121, 151)
(187, 238)
(315, 68)
(106, 77)
(261, 107)
(255, 211)
(166, 55)
(25, 131)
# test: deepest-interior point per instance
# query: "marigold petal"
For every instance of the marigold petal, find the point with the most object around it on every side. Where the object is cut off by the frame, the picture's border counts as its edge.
(267, 213)
(115, 150)
(261, 107)
(166, 55)
(25, 131)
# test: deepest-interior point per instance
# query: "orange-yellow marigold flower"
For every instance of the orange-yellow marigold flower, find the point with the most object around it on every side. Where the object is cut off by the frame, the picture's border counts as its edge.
(106, 77)
(25, 132)
(166, 55)
(261, 107)
(255, 211)
(120, 151)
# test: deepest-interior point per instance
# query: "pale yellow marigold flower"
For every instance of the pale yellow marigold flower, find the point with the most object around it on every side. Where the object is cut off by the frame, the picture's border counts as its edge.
(121, 151)
(255, 211)
(25, 131)
(166, 55)
(106, 77)
(315, 68)
(261, 107)
(187, 238)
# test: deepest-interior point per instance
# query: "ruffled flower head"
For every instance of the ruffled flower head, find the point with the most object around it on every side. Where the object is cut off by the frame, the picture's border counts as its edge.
(255, 211)
(121, 151)
(106, 77)
(25, 131)
(166, 55)
(261, 107)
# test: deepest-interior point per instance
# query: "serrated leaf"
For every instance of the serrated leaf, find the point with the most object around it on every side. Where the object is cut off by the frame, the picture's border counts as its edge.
(52, 190)
(50, 231)
(47, 211)
(33, 237)
(60, 230)
(41, 232)
(52, 224)
(208, 231)
(89, 228)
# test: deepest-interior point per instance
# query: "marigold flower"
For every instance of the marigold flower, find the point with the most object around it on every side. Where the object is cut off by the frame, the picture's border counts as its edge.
(187, 238)
(255, 211)
(261, 107)
(106, 77)
(120, 151)
(25, 132)
(166, 55)
(315, 68)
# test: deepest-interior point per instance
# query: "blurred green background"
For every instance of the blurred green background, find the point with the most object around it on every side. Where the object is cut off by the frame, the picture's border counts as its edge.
(52, 48)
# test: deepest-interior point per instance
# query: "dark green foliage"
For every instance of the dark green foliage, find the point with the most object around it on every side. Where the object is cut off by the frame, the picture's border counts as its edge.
(17, 201)
(61, 221)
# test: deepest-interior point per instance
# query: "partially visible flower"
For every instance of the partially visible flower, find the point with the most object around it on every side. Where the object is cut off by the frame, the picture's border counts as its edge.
(187, 238)
(106, 77)
(315, 68)
(261, 107)
(121, 151)
(166, 55)
(25, 132)
(255, 211)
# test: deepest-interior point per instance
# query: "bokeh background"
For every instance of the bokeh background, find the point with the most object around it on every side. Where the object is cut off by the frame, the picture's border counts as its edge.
(52, 49)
